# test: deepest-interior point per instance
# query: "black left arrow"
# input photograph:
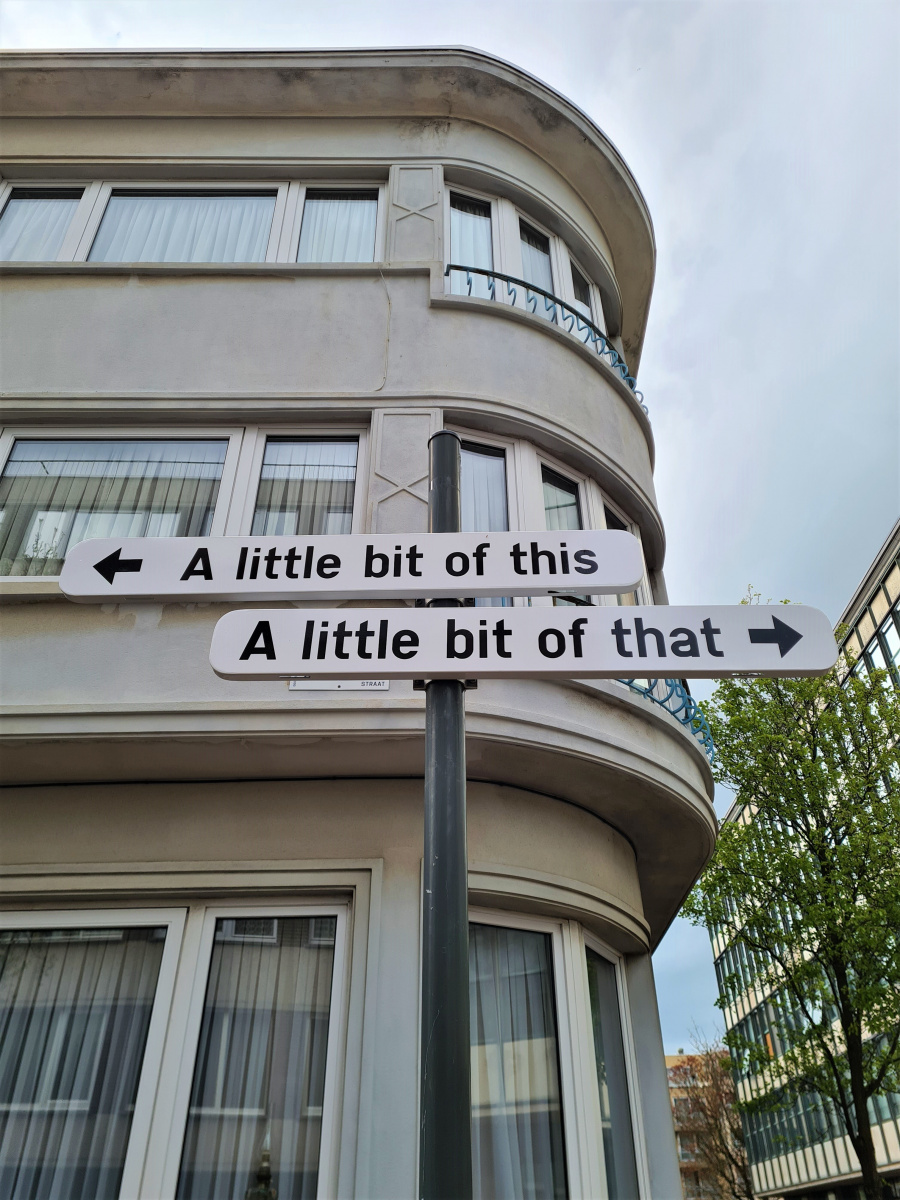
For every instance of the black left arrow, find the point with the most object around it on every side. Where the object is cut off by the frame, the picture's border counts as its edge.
(110, 566)
(782, 635)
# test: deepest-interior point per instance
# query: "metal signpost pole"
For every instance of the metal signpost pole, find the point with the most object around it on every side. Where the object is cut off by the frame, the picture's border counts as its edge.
(445, 1148)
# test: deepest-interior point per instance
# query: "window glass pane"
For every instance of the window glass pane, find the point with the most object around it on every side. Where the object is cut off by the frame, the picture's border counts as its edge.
(517, 1131)
(75, 1008)
(259, 1079)
(34, 223)
(54, 494)
(483, 499)
(338, 226)
(609, 1050)
(184, 227)
(892, 640)
(470, 244)
(305, 487)
(560, 501)
(613, 521)
(582, 290)
(536, 265)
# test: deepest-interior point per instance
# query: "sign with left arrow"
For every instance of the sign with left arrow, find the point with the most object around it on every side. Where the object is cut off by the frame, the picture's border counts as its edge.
(348, 566)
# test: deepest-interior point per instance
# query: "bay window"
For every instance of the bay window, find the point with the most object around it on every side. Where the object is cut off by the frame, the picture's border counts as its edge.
(56, 493)
(184, 226)
(338, 226)
(35, 221)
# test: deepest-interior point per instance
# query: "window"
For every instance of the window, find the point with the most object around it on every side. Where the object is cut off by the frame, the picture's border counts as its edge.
(259, 1078)
(582, 292)
(56, 493)
(306, 487)
(609, 1051)
(34, 223)
(561, 507)
(517, 1129)
(75, 1015)
(470, 243)
(338, 226)
(614, 521)
(536, 267)
(184, 226)
(483, 501)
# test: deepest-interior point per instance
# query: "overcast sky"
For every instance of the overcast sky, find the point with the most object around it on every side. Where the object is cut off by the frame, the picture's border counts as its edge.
(764, 135)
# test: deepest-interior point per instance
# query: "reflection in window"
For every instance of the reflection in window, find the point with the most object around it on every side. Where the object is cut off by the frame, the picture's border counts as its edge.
(184, 226)
(34, 223)
(609, 1050)
(536, 265)
(338, 226)
(582, 290)
(54, 494)
(75, 1009)
(483, 499)
(306, 487)
(259, 1078)
(517, 1132)
(470, 244)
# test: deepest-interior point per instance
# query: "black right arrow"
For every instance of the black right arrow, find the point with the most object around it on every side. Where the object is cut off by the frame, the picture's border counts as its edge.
(113, 563)
(782, 635)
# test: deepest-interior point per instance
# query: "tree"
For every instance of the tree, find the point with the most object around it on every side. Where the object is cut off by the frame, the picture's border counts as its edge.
(805, 883)
(709, 1116)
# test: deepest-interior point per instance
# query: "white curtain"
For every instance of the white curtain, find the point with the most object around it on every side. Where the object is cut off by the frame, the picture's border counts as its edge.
(470, 244)
(536, 266)
(305, 487)
(75, 1008)
(483, 500)
(260, 1069)
(517, 1134)
(184, 227)
(560, 501)
(32, 228)
(54, 494)
(609, 1050)
(338, 227)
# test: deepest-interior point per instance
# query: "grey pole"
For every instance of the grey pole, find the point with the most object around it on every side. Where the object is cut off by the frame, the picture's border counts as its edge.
(445, 1129)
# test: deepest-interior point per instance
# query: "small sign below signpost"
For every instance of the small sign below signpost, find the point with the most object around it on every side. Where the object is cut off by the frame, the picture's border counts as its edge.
(565, 642)
(343, 567)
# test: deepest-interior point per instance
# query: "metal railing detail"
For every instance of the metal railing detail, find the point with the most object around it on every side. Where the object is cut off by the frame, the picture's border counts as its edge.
(672, 695)
(559, 312)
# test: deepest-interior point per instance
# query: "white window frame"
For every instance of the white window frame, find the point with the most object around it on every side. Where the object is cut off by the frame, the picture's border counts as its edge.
(248, 470)
(643, 591)
(152, 1063)
(42, 433)
(494, 203)
(105, 189)
(568, 293)
(165, 1142)
(90, 190)
(293, 219)
(583, 940)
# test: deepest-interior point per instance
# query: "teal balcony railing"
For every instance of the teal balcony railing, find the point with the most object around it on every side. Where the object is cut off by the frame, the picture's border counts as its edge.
(673, 696)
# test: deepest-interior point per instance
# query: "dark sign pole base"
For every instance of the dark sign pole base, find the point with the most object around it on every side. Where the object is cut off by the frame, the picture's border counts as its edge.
(445, 1147)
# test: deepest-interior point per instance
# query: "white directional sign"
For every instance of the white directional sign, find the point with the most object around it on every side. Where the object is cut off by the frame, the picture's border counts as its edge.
(566, 642)
(399, 566)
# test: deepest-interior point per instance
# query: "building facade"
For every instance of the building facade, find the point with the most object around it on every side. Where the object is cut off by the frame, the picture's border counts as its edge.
(802, 1152)
(240, 291)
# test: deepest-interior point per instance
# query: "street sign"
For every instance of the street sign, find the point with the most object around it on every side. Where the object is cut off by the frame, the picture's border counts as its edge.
(343, 567)
(566, 642)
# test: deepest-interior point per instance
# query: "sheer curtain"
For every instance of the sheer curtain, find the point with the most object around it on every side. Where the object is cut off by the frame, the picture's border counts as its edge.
(483, 499)
(517, 1133)
(305, 487)
(470, 244)
(561, 508)
(615, 522)
(75, 1008)
(338, 226)
(184, 227)
(34, 224)
(536, 265)
(609, 1050)
(54, 494)
(259, 1077)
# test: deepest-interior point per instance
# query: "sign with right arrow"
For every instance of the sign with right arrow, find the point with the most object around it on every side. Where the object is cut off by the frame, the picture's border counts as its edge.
(565, 642)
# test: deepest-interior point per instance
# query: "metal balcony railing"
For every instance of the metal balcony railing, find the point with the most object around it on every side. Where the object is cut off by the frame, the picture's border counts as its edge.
(673, 696)
(559, 312)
